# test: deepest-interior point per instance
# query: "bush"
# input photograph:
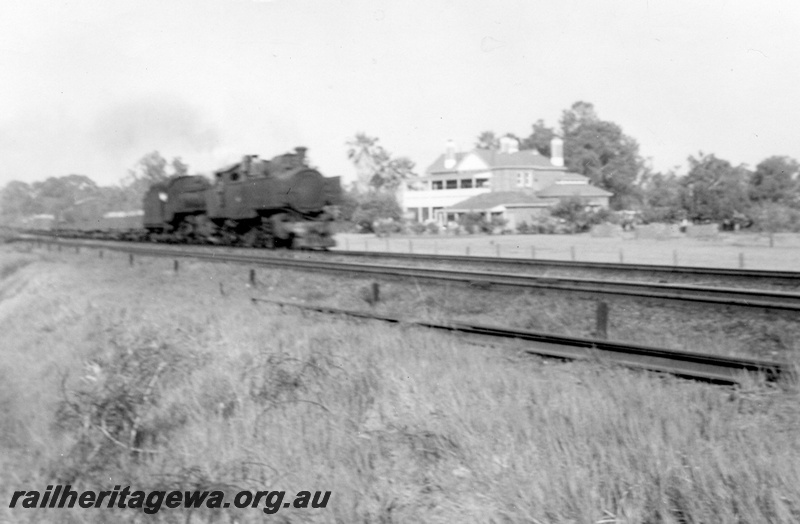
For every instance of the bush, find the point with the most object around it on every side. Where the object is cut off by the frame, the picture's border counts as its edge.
(577, 217)
(417, 228)
(477, 223)
(384, 227)
(119, 410)
(433, 228)
(375, 206)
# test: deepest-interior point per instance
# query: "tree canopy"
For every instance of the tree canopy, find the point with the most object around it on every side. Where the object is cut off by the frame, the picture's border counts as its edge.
(775, 180)
(600, 150)
(714, 189)
(73, 198)
(487, 140)
(376, 168)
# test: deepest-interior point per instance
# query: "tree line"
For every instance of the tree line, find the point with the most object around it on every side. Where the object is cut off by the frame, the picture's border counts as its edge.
(713, 189)
(74, 198)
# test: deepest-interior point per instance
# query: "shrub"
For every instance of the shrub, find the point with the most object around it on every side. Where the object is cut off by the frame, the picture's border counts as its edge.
(417, 228)
(366, 209)
(118, 412)
(577, 216)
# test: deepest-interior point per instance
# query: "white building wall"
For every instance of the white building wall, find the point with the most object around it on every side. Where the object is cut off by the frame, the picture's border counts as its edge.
(433, 200)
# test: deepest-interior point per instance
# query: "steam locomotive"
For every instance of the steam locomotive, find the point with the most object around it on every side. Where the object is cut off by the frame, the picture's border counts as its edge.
(282, 202)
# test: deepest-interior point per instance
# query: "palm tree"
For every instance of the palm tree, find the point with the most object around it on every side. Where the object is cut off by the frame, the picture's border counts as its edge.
(368, 157)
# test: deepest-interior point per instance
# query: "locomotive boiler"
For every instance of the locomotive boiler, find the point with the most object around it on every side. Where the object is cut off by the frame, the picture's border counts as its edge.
(282, 202)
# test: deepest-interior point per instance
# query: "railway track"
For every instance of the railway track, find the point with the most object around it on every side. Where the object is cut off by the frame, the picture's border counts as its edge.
(719, 296)
(701, 366)
(688, 364)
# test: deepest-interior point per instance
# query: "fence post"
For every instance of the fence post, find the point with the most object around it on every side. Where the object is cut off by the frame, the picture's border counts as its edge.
(410, 246)
(601, 320)
(621, 257)
(674, 257)
(741, 260)
(467, 250)
(253, 278)
(376, 294)
(175, 265)
(130, 259)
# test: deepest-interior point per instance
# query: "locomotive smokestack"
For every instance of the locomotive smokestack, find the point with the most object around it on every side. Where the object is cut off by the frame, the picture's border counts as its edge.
(301, 153)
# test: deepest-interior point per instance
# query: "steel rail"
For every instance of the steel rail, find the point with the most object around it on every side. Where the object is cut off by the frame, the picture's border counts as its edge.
(689, 364)
(581, 265)
(739, 297)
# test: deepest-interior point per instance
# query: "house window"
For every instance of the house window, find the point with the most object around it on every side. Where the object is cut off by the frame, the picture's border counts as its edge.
(452, 184)
(436, 184)
(481, 182)
(528, 181)
(451, 217)
(438, 214)
(425, 214)
(519, 179)
(466, 183)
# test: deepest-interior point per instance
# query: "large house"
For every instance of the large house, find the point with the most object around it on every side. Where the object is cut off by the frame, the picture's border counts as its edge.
(505, 183)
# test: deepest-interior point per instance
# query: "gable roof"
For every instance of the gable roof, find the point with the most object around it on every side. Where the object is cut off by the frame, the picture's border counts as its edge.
(568, 190)
(438, 164)
(529, 158)
(569, 176)
(500, 198)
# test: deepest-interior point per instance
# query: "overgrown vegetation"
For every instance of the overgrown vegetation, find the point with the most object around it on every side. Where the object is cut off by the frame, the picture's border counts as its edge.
(201, 391)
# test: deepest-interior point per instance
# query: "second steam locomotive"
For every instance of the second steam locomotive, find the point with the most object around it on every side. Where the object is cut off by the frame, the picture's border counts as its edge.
(282, 202)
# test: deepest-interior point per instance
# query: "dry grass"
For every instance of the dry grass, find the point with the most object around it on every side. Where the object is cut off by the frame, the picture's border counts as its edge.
(199, 390)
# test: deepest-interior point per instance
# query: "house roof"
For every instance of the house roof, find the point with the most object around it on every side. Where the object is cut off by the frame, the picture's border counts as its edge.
(569, 176)
(568, 190)
(438, 164)
(529, 158)
(490, 200)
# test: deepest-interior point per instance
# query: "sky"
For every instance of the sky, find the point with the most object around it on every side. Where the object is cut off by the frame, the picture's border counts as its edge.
(90, 86)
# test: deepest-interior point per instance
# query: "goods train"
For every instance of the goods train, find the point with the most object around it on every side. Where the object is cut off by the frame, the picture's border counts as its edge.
(280, 202)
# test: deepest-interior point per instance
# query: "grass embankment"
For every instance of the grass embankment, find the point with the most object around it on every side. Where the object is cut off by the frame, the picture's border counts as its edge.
(168, 384)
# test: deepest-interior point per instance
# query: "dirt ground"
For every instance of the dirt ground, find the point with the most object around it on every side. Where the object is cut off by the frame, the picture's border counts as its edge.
(727, 250)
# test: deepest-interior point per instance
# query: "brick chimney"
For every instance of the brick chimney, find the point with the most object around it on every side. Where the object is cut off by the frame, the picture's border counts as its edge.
(450, 155)
(508, 145)
(557, 152)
